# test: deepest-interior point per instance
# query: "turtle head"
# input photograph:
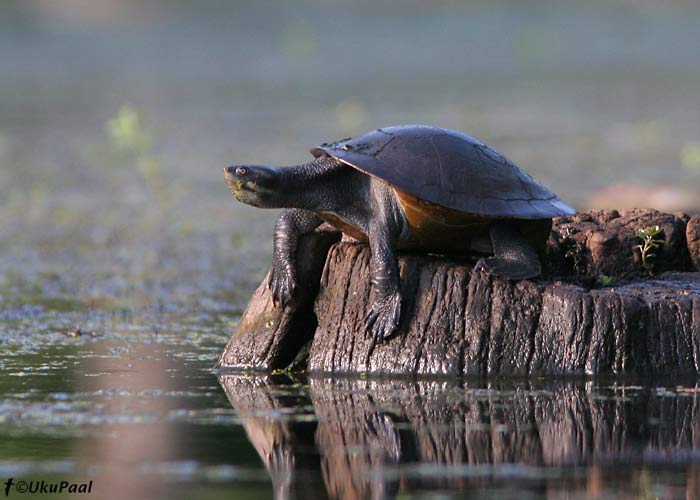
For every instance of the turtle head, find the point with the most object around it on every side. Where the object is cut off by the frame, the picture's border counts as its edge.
(309, 186)
(254, 185)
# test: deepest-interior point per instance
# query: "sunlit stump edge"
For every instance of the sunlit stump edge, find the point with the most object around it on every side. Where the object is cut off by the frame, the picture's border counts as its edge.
(597, 310)
(270, 337)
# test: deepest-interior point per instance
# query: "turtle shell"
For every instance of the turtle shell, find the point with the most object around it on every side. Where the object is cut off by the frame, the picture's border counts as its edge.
(449, 169)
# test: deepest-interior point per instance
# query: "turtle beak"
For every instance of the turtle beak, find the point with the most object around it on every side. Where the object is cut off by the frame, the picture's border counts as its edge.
(253, 185)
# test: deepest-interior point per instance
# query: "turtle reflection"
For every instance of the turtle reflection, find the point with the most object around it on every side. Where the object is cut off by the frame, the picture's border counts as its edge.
(349, 438)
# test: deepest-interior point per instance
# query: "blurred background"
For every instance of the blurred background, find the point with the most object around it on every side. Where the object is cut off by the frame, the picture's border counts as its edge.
(117, 116)
(124, 261)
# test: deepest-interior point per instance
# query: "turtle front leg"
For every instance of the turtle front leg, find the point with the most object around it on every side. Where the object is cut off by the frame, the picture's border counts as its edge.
(292, 224)
(383, 316)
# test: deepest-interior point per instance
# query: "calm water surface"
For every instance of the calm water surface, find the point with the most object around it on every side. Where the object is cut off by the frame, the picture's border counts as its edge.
(142, 415)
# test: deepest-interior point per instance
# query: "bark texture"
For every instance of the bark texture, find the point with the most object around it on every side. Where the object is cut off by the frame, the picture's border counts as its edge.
(596, 311)
(456, 321)
(269, 337)
(693, 238)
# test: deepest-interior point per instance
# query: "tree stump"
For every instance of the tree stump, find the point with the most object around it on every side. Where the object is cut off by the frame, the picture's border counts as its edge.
(596, 310)
(270, 337)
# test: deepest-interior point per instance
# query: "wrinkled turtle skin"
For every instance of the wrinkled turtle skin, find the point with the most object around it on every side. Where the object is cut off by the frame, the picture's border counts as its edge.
(413, 187)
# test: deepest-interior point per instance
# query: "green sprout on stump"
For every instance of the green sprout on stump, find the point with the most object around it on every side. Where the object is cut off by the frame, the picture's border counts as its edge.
(606, 280)
(574, 251)
(652, 239)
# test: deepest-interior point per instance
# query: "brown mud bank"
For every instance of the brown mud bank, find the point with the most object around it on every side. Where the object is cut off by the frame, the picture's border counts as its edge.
(600, 309)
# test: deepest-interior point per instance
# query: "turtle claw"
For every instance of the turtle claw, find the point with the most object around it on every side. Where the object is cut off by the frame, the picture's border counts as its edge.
(283, 286)
(483, 266)
(383, 317)
(503, 268)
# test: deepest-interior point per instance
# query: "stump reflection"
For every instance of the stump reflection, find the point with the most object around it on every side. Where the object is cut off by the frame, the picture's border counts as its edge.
(350, 438)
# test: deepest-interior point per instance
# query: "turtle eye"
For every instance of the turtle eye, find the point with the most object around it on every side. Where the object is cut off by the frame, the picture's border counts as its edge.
(241, 171)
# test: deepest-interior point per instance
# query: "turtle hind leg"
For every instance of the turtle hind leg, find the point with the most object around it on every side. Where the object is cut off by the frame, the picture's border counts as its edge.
(513, 257)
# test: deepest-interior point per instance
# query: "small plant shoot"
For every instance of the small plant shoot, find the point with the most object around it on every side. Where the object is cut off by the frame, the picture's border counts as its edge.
(652, 239)
(606, 280)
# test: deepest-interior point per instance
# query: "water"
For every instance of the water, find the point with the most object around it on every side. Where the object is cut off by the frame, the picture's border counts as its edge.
(351, 438)
(149, 419)
(124, 268)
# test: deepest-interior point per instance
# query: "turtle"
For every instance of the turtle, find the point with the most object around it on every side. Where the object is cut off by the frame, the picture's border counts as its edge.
(415, 188)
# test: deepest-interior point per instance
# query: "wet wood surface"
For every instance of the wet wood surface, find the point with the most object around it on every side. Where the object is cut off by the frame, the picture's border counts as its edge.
(596, 311)
(269, 337)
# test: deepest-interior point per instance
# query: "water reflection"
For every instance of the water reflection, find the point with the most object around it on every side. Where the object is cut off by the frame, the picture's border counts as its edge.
(286, 446)
(121, 449)
(349, 438)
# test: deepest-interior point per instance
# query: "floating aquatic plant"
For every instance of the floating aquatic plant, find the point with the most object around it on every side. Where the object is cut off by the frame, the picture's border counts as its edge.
(132, 141)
